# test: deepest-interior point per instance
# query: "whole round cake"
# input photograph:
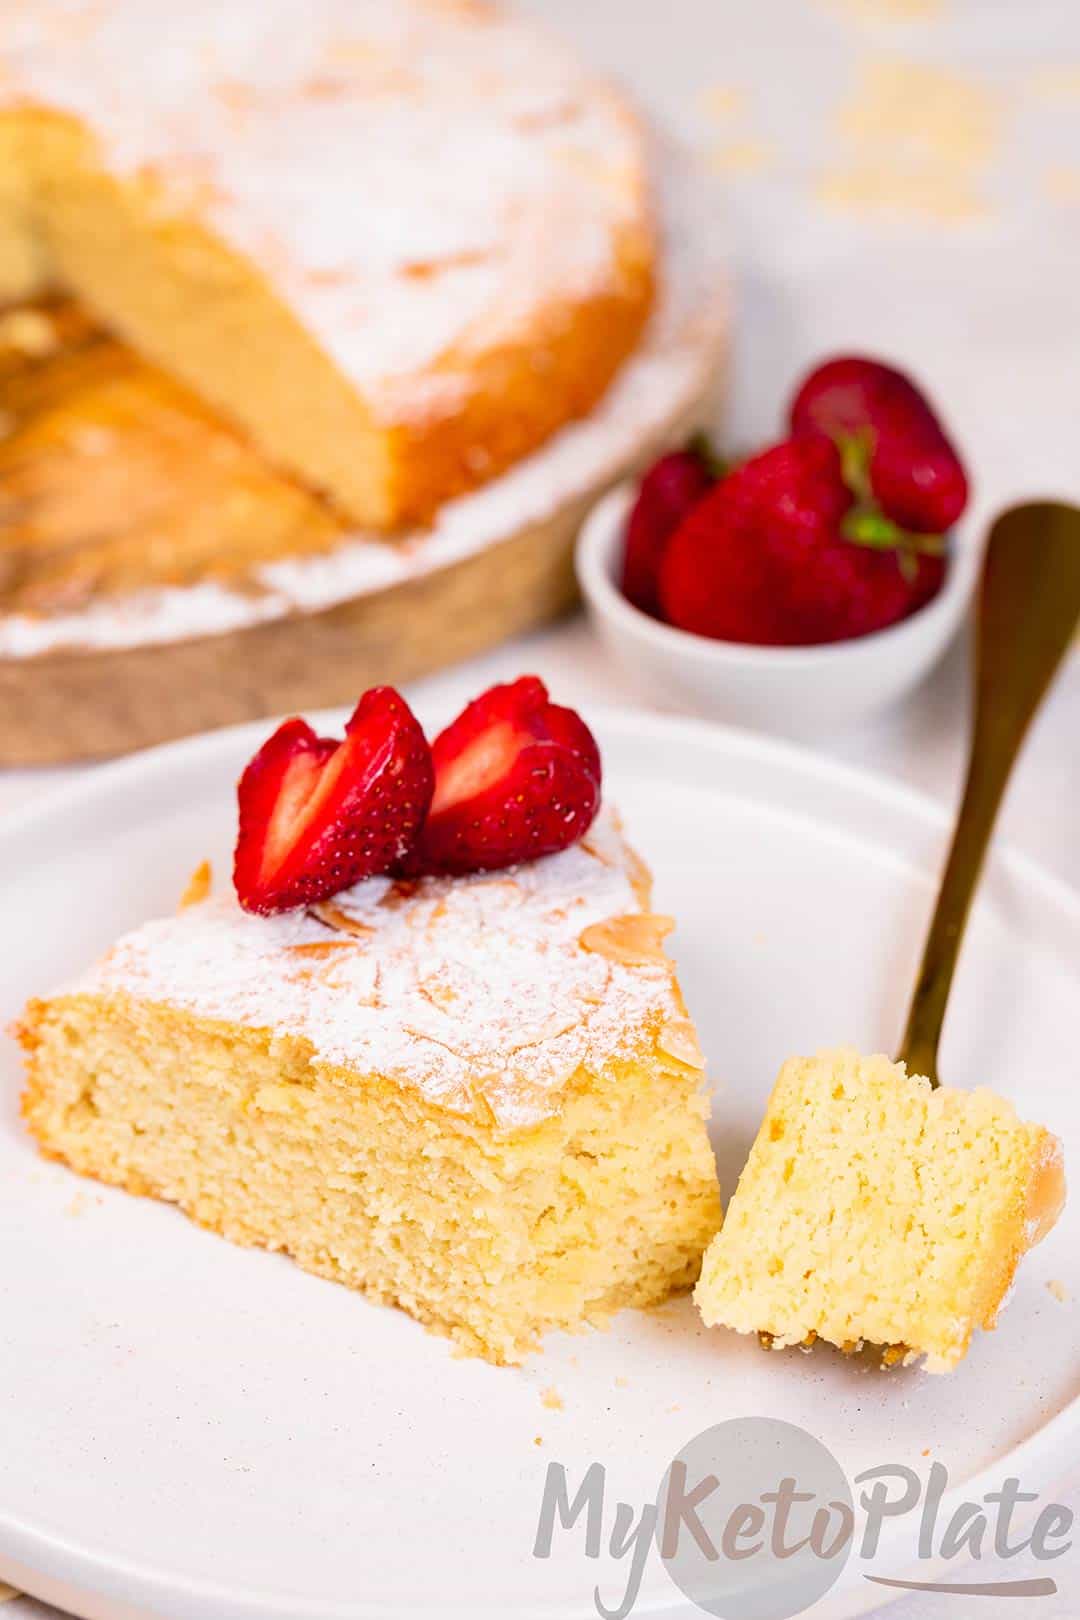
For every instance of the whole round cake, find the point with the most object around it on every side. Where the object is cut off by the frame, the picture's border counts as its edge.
(398, 242)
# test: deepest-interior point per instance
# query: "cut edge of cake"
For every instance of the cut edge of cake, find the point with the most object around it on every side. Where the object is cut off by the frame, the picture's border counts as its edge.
(874, 1209)
(491, 1215)
(147, 241)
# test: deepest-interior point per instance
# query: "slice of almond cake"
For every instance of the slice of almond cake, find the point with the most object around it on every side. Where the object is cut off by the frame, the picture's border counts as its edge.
(476, 1096)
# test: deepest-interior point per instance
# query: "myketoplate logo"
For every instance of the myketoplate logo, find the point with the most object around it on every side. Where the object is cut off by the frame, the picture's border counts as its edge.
(755, 1519)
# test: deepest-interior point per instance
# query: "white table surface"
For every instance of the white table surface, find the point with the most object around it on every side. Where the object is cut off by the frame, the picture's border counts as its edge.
(966, 116)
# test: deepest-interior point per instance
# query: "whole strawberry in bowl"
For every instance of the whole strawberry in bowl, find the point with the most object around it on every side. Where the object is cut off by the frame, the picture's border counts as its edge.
(806, 585)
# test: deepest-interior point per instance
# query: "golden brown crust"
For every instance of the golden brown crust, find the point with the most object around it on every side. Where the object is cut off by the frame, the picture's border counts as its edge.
(208, 316)
(514, 405)
(81, 704)
(114, 478)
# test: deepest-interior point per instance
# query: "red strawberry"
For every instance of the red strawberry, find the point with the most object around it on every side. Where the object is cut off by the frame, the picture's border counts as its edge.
(764, 558)
(915, 473)
(516, 777)
(668, 491)
(317, 815)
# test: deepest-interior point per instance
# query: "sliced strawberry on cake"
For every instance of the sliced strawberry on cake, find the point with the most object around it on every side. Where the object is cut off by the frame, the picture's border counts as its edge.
(477, 1096)
(318, 814)
(516, 777)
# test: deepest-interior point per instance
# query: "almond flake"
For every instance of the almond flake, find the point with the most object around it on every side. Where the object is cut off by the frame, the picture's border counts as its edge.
(199, 885)
(678, 1039)
(633, 939)
(332, 916)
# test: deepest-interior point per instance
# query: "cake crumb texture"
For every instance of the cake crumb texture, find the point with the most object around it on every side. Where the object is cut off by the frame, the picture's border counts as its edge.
(400, 245)
(491, 1237)
(429, 1090)
(875, 1208)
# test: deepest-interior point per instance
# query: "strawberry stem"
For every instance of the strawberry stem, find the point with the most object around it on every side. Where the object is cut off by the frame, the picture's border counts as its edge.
(856, 450)
(715, 464)
(868, 526)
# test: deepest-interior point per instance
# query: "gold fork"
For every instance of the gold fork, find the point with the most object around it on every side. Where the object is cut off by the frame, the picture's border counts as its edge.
(1028, 613)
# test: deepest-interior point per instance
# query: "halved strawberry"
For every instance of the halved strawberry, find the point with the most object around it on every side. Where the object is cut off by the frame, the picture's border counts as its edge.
(317, 815)
(516, 777)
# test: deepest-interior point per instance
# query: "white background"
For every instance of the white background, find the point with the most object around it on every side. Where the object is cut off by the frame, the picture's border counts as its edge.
(962, 117)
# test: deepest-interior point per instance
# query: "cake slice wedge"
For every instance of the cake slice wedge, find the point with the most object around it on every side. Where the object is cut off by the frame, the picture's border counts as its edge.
(479, 1098)
(875, 1208)
(399, 244)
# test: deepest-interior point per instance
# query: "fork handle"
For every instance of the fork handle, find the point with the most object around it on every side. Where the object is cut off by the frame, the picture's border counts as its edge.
(1028, 613)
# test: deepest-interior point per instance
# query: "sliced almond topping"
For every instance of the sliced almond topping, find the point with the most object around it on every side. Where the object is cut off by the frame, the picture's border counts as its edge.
(438, 991)
(633, 939)
(320, 948)
(400, 890)
(324, 87)
(345, 52)
(641, 878)
(234, 94)
(198, 887)
(327, 278)
(679, 1040)
(550, 1029)
(332, 916)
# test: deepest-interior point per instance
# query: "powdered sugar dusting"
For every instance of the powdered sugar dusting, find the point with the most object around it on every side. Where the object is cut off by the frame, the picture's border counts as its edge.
(474, 990)
(672, 367)
(413, 178)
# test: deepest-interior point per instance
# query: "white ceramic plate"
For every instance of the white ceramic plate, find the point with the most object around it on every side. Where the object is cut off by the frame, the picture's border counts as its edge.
(198, 1432)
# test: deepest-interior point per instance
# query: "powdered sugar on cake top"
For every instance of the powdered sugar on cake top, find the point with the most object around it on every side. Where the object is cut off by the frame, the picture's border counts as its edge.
(477, 991)
(669, 372)
(413, 176)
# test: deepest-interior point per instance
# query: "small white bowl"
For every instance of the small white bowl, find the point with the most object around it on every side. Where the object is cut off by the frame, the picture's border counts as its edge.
(796, 691)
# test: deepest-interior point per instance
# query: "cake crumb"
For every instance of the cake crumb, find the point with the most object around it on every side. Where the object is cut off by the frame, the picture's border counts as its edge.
(622, 1383)
(742, 157)
(673, 1409)
(884, 188)
(28, 332)
(77, 1206)
(911, 106)
(919, 141)
(889, 11)
(7, 1592)
(1056, 82)
(551, 1398)
(538, 1439)
(1058, 1289)
(723, 101)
